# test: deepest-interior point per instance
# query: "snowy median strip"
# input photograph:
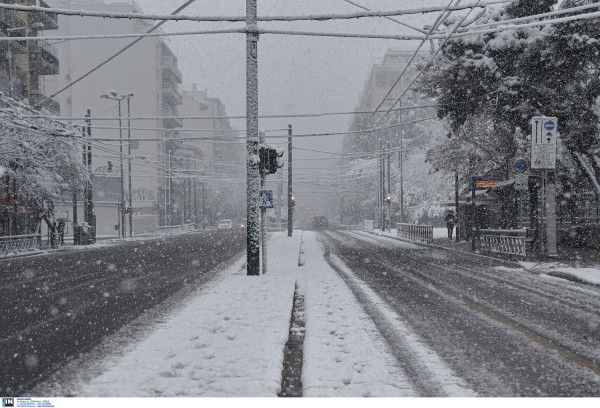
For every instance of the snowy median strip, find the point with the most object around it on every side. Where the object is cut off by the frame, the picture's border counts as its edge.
(228, 342)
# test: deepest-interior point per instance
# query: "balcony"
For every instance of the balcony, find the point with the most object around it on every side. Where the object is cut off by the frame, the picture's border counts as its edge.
(19, 89)
(173, 93)
(51, 105)
(45, 59)
(173, 122)
(49, 20)
(170, 64)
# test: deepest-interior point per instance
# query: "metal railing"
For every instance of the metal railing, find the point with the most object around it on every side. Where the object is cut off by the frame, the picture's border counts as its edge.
(415, 232)
(19, 243)
(511, 242)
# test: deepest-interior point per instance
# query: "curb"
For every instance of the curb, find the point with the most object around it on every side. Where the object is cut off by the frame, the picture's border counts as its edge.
(516, 264)
(491, 258)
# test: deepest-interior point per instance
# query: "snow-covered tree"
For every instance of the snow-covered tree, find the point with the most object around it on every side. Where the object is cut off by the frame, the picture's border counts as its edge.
(500, 80)
(41, 159)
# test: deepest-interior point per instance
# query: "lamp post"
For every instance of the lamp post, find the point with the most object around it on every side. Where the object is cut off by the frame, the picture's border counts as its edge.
(169, 202)
(116, 97)
(9, 56)
(128, 96)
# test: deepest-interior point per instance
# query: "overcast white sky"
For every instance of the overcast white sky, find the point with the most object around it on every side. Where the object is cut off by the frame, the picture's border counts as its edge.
(296, 74)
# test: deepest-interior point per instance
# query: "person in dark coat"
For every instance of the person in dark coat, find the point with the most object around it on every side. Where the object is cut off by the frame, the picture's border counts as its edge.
(450, 221)
(61, 232)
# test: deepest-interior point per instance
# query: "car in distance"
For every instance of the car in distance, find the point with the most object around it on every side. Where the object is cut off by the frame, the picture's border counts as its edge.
(242, 224)
(321, 222)
(225, 225)
(310, 223)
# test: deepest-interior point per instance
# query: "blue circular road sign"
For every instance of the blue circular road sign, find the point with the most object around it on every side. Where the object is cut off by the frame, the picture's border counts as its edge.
(549, 125)
(521, 165)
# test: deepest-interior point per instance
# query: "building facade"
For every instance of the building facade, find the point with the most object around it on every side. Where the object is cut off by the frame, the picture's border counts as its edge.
(219, 155)
(24, 63)
(381, 79)
(142, 82)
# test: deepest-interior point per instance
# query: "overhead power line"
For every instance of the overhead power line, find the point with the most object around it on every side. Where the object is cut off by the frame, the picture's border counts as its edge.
(272, 116)
(440, 19)
(290, 18)
(106, 61)
(448, 37)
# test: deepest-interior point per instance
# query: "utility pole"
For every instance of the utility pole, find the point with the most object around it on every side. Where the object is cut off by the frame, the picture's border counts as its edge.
(170, 198)
(382, 187)
(122, 175)
(129, 163)
(263, 211)
(204, 205)
(88, 204)
(389, 190)
(252, 175)
(456, 204)
(279, 198)
(401, 162)
(116, 97)
(290, 220)
(195, 188)
(75, 238)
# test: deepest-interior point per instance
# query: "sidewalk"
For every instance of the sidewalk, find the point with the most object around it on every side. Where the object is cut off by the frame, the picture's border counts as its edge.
(576, 264)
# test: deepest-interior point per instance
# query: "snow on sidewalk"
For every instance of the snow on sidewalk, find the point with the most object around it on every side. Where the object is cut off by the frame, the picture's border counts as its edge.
(229, 341)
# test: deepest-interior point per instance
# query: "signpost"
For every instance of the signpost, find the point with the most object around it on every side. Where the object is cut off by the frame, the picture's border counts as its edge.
(478, 183)
(521, 166)
(265, 199)
(543, 156)
(543, 143)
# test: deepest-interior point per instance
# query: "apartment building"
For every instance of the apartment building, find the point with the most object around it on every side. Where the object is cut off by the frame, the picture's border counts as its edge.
(23, 64)
(381, 79)
(142, 82)
(219, 154)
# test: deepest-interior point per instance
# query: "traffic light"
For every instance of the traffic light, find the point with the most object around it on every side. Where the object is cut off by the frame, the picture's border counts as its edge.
(127, 210)
(268, 160)
(388, 198)
(293, 201)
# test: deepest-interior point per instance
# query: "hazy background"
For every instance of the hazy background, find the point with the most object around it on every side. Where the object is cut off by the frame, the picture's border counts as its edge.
(296, 74)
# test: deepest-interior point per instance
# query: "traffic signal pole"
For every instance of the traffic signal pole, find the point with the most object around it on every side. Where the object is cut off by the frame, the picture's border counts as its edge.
(263, 211)
(252, 158)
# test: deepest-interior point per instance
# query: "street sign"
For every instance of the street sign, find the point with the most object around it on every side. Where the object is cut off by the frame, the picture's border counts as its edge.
(521, 166)
(485, 184)
(521, 182)
(265, 199)
(543, 142)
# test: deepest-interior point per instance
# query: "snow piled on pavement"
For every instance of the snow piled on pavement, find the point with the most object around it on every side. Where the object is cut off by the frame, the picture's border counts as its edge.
(589, 275)
(342, 354)
(229, 340)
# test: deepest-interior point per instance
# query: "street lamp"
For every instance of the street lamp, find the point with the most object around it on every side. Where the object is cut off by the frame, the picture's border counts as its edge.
(129, 96)
(170, 203)
(116, 97)
(9, 57)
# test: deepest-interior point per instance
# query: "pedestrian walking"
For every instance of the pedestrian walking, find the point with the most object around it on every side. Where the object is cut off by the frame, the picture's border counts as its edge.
(61, 233)
(450, 221)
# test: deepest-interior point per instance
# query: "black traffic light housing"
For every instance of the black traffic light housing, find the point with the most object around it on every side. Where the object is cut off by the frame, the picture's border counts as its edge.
(268, 160)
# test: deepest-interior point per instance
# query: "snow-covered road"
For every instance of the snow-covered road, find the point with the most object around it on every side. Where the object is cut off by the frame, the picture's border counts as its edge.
(372, 327)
